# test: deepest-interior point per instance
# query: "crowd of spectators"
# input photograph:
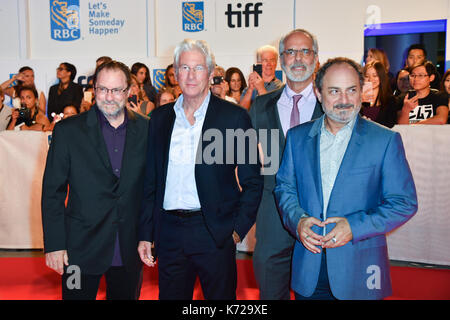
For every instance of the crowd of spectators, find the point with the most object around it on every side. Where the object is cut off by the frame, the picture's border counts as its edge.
(417, 94)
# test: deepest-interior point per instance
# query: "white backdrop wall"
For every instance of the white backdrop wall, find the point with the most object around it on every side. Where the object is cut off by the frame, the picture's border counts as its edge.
(148, 30)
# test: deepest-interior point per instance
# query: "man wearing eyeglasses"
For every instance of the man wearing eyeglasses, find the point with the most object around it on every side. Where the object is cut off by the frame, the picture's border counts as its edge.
(193, 209)
(423, 105)
(278, 111)
(100, 156)
(259, 84)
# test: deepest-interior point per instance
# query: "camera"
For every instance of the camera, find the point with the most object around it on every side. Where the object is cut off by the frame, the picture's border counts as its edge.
(217, 80)
(24, 113)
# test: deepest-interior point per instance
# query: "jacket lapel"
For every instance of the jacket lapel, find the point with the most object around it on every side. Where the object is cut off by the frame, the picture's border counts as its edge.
(130, 149)
(96, 137)
(312, 148)
(166, 135)
(273, 119)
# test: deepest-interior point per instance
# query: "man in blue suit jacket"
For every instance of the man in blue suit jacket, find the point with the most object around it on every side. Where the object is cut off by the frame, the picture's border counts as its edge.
(343, 183)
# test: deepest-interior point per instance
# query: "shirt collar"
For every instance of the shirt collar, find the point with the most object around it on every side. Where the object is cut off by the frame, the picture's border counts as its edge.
(199, 113)
(347, 128)
(306, 93)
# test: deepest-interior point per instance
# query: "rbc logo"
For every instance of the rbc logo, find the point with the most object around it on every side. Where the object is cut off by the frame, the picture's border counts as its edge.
(158, 78)
(193, 16)
(65, 20)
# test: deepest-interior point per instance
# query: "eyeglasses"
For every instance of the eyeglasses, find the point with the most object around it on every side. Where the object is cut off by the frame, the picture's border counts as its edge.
(420, 76)
(186, 69)
(303, 52)
(114, 91)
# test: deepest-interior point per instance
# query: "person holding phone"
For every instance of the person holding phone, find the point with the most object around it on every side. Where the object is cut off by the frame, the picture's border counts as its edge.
(378, 103)
(136, 101)
(423, 105)
(262, 79)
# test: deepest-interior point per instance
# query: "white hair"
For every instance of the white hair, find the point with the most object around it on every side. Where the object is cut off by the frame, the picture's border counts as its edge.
(190, 45)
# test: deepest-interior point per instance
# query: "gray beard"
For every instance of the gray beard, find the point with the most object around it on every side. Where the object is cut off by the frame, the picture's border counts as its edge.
(306, 75)
(335, 116)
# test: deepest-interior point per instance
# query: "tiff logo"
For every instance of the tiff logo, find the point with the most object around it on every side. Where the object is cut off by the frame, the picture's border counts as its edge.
(250, 10)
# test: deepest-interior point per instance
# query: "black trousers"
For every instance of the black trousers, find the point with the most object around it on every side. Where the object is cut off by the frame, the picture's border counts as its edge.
(120, 285)
(187, 250)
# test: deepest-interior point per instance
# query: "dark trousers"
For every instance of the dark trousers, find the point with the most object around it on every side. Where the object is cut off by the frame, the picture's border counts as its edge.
(323, 290)
(120, 285)
(187, 250)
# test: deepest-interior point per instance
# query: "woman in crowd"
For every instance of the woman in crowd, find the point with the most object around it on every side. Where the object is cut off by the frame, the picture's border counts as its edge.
(28, 117)
(142, 73)
(25, 78)
(445, 87)
(136, 101)
(236, 82)
(165, 96)
(402, 82)
(170, 80)
(378, 103)
(65, 92)
(380, 55)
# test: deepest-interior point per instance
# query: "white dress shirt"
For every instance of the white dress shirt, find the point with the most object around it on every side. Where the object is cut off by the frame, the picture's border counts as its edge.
(181, 189)
(305, 106)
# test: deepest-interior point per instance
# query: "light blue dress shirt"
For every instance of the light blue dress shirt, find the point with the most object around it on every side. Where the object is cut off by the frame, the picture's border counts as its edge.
(181, 188)
(332, 150)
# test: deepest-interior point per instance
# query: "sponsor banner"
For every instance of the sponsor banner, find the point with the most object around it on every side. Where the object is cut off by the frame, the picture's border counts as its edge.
(230, 27)
(159, 76)
(86, 28)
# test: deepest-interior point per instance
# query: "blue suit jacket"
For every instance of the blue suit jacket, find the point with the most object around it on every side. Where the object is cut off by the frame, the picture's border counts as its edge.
(374, 190)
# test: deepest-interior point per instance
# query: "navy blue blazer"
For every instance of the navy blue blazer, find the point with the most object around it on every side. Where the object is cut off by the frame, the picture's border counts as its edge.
(225, 208)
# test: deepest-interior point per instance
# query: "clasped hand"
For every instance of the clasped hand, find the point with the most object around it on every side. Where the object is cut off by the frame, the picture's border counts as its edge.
(340, 235)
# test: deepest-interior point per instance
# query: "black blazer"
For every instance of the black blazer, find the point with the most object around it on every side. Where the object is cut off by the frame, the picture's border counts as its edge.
(99, 203)
(224, 207)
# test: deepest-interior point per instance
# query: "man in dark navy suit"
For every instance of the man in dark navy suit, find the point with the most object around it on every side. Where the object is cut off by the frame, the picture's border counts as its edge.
(193, 209)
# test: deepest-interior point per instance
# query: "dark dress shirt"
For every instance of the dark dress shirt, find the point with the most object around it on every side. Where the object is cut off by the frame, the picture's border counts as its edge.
(115, 144)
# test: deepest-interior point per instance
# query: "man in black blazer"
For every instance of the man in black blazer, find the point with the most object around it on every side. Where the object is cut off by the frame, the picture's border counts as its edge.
(100, 155)
(193, 209)
(274, 112)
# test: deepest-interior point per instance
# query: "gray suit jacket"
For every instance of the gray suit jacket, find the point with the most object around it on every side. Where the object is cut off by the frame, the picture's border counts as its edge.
(264, 115)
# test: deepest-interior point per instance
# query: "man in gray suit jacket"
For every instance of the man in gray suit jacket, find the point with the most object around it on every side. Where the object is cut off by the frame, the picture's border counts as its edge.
(270, 114)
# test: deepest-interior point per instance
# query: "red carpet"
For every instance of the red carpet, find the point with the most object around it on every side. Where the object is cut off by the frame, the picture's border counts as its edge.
(30, 279)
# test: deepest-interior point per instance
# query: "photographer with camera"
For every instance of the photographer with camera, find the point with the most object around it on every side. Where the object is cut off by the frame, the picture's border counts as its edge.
(28, 116)
(220, 87)
(25, 78)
